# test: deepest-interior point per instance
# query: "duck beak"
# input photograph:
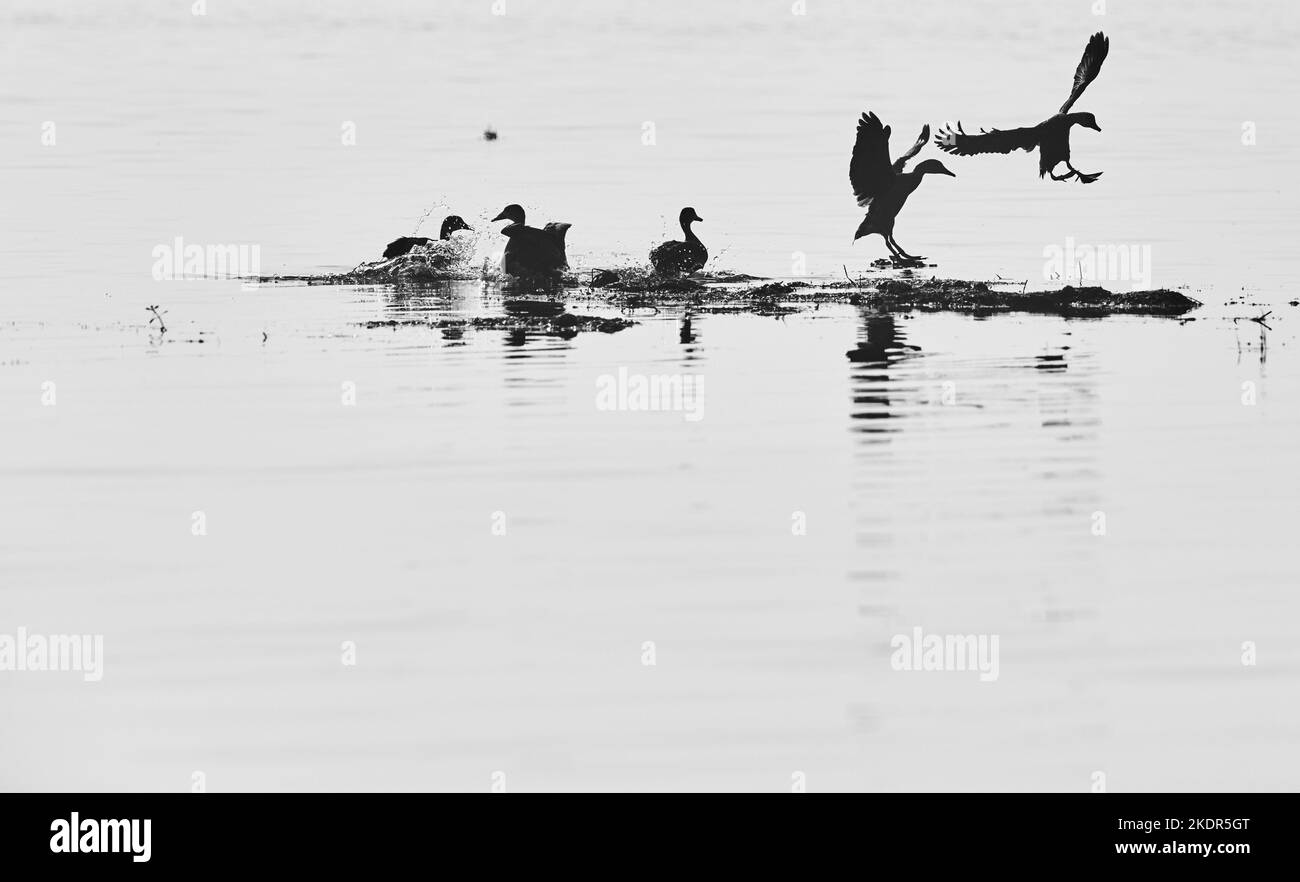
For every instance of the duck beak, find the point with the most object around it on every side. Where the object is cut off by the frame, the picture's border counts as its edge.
(501, 216)
(1095, 128)
(948, 173)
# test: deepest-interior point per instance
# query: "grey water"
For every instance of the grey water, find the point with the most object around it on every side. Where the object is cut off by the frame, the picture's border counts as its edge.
(432, 559)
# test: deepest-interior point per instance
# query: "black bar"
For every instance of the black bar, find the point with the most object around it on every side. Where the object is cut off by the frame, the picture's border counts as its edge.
(673, 832)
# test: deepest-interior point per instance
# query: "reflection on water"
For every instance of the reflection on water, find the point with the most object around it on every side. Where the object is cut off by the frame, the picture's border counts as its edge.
(1089, 491)
(881, 343)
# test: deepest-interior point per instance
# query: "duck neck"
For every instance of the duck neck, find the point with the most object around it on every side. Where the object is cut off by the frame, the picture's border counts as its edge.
(687, 232)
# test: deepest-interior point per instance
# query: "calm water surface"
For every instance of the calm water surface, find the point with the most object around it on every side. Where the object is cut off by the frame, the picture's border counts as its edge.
(949, 468)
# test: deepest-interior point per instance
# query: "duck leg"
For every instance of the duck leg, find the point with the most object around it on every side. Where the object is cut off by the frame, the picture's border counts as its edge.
(901, 253)
(1083, 178)
(1065, 177)
(893, 249)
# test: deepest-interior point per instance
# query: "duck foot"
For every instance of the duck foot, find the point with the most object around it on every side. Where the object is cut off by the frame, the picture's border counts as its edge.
(898, 251)
(1083, 178)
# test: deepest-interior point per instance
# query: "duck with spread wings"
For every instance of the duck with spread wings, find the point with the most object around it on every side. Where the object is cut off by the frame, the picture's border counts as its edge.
(1051, 136)
(881, 186)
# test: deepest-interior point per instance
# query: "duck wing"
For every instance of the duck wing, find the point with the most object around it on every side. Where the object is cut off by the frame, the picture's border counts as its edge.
(869, 170)
(1089, 66)
(915, 149)
(991, 141)
(534, 248)
(402, 245)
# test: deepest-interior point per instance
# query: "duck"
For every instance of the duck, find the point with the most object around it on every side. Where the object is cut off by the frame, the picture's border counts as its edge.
(450, 224)
(681, 258)
(532, 252)
(883, 187)
(1051, 136)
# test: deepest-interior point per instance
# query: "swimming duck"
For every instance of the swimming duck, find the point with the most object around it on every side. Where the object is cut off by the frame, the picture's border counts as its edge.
(681, 258)
(530, 251)
(398, 247)
(883, 186)
(1051, 136)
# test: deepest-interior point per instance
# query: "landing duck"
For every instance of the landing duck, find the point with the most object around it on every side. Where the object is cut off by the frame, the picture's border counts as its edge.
(450, 224)
(675, 258)
(532, 253)
(1051, 136)
(882, 186)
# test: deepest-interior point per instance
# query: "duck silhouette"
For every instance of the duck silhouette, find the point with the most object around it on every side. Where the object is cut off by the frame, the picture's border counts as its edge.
(532, 253)
(681, 258)
(450, 224)
(883, 187)
(1051, 136)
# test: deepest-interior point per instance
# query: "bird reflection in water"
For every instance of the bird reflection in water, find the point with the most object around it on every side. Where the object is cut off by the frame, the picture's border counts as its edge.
(532, 308)
(882, 344)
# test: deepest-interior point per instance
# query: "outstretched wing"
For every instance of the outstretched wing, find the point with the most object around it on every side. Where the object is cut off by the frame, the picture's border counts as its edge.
(915, 149)
(869, 170)
(992, 141)
(1089, 66)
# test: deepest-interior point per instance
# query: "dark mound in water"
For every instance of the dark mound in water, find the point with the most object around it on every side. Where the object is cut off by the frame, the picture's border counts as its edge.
(565, 324)
(895, 293)
(979, 297)
(638, 287)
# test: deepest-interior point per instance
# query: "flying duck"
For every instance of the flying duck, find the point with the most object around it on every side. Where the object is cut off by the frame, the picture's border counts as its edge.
(1051, 136)
(681, 258)
(881, 186)
(530, 251)
(398, 247)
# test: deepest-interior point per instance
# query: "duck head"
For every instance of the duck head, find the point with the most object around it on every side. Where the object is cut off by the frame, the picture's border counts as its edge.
(689, 216)
(1087, 120)
(513, 213)
(451, 224)
(932, 167)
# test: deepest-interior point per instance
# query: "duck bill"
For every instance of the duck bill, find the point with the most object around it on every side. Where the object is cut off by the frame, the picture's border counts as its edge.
(501, 216)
